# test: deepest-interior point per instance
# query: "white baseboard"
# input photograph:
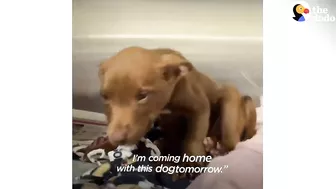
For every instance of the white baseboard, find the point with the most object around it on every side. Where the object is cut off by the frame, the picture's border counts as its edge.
(89, 125)
(88, 116)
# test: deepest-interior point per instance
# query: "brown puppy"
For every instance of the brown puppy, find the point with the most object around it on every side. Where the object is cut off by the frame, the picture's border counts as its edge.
(137, 84)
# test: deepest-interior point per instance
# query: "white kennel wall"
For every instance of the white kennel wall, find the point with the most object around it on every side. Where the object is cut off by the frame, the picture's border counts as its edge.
(221, 38)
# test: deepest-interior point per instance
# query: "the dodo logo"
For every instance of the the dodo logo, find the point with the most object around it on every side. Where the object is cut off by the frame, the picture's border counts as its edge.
(303, 13)
(299, 10)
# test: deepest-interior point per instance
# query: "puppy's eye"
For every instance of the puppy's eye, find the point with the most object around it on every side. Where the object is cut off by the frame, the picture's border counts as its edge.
(142, 96)
(105, 97)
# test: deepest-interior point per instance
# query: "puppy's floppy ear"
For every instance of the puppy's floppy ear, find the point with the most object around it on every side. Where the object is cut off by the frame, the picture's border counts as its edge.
(174, 66)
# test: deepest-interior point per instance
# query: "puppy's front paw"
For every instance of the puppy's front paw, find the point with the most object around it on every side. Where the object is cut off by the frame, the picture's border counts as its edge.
(178, 176)
(194, 169)
(188, 173)
(194, 157)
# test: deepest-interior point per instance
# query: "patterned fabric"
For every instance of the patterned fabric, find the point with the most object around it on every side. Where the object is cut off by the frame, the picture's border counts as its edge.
(108, 176)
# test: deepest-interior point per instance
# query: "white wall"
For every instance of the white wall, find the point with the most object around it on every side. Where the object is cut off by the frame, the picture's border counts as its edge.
(221, 38)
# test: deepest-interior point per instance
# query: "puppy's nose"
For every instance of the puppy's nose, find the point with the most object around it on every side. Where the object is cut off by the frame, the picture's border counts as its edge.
(119, 136)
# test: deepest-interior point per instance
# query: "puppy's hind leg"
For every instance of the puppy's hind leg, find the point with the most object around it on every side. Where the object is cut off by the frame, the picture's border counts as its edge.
(231, 122)
(250, 115)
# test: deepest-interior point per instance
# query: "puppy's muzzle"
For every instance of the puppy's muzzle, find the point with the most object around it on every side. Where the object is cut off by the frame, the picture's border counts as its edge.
(119, 136)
